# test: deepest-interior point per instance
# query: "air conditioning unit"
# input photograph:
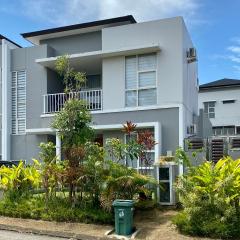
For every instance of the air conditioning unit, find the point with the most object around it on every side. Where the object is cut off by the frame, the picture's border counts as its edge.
(191, 55)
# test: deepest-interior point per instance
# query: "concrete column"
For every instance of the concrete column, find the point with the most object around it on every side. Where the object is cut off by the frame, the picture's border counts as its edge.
(6, 104)
(58, 146)
(6, 98)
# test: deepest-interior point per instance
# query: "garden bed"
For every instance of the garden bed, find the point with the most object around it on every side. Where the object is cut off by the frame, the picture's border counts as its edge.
(58, 209)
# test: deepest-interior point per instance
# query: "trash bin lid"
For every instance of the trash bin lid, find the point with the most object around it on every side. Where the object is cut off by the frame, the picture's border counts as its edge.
(123, 203)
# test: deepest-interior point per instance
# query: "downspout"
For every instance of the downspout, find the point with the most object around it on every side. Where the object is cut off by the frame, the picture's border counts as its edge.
(181, 134)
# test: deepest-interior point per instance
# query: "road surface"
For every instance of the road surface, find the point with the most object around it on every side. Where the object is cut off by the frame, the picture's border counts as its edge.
(9, 235)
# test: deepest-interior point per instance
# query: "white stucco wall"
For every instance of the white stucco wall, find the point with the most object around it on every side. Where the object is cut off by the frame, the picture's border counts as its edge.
(225, 114)
(167, 34)
(190, 83)
(176, 79)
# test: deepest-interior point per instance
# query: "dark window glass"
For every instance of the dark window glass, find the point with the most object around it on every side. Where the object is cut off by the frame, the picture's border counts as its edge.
(163, 173)
(228, 101)
(165, 192)
(93, 82)
(219, 131)
(211, 104)
(238, 129)
(211, 115)
(228, 130)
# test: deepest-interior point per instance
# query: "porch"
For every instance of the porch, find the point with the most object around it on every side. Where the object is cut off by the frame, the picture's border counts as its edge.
(105, 132)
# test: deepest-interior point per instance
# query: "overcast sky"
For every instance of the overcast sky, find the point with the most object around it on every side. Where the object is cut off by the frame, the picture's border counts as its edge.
(213, 24)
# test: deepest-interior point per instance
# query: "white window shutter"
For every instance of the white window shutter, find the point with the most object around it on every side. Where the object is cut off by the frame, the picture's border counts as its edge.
(147, 97)
(131, 73)
(147, 62)
(18, 102)
(147, 79)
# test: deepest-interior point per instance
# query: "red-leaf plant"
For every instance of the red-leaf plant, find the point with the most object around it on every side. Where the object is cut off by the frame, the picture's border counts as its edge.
(147, 141)
(129, 127)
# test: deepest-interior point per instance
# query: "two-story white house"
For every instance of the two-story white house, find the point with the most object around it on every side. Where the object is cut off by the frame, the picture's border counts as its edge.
(221, 103)
(141, 72)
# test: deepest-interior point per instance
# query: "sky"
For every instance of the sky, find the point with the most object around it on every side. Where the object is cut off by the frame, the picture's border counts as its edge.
(214, 25)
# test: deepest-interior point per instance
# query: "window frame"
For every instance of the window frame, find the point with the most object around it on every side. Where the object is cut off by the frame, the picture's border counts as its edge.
(138, 72)
(222, 130)
(208, 112)
(237, 130)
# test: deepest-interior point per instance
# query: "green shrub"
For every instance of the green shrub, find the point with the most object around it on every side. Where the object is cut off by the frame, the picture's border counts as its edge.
(210, 196)
(59, 209)
(145, 204)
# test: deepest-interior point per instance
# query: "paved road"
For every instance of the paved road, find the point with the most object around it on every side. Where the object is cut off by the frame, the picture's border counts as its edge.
(9, 235)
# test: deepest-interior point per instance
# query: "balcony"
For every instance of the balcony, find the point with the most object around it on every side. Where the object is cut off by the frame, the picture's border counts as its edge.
(53, 103)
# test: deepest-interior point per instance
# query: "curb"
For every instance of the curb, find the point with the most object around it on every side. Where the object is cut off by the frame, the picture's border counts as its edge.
(50, 233)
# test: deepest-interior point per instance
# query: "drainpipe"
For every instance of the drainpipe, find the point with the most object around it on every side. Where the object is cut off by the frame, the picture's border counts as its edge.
(181, 133)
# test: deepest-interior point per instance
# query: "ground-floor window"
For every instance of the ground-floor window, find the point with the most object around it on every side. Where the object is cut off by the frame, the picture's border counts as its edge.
(237, 129)
(144, 163)
(226, 130)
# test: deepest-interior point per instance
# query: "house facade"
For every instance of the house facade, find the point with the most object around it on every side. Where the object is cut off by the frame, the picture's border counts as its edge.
(221, 102)
(140, 72)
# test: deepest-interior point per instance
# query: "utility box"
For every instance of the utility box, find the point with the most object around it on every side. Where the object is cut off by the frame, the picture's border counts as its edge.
(123, 210)
(217, 150)
(196, 150)
(234, 147)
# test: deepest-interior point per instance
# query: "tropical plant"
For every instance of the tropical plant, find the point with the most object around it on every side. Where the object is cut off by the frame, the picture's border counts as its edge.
(52, 170)
(73, 80)
(94, 172)
(182, 158)
(73, 126)
(18, 180)
(138, 146)
(48, 152)
(123, 183)
(210, 195)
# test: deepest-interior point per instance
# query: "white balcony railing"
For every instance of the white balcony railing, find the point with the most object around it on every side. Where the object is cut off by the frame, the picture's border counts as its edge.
(53, 103)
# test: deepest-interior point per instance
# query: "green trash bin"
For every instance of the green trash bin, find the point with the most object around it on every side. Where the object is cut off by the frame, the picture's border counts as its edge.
(123, 210)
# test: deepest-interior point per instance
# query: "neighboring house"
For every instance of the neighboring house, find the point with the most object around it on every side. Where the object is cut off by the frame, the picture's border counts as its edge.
(221, 103)
(141, 72)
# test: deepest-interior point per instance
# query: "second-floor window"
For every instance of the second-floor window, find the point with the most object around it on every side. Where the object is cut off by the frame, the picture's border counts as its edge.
(209, 109)
(141, 80)
(18, 102)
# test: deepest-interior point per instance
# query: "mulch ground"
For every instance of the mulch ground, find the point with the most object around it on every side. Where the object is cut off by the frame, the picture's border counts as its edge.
(157, 225)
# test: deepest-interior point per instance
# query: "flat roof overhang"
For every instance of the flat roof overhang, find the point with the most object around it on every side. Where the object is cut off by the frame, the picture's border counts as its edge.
(37, 36)
(84, 59)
